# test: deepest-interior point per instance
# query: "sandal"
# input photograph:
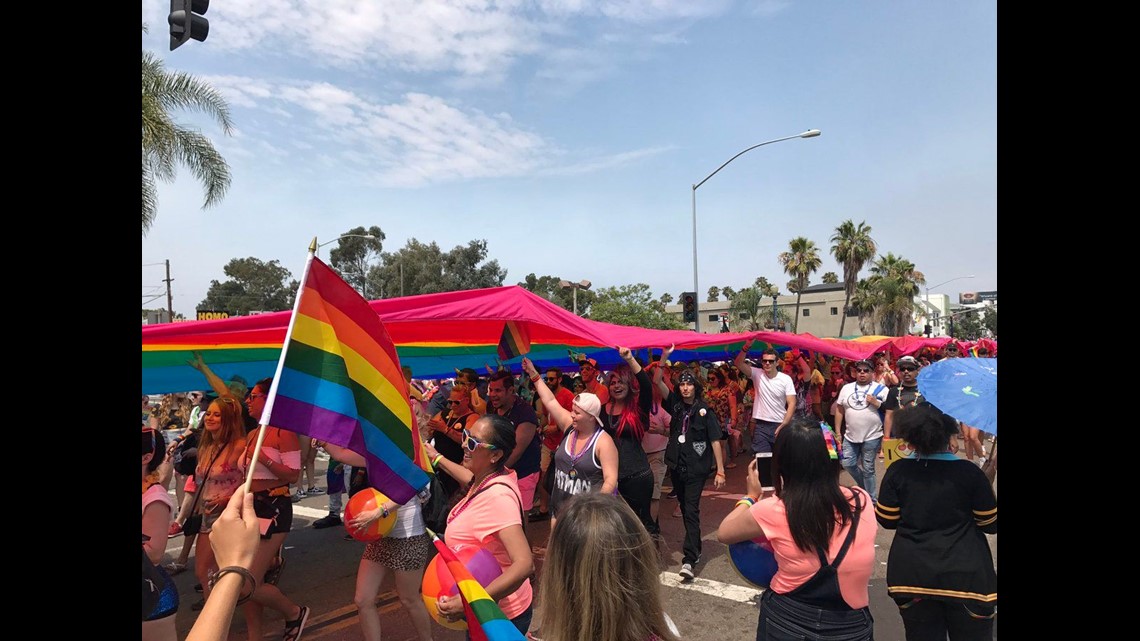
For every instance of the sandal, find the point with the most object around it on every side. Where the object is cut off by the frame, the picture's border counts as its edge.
(174, 567)
(294, 628)
(730, 465)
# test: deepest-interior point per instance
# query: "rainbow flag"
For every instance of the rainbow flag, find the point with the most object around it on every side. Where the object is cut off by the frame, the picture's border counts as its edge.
(485, 619)
(514, 341)
(339, 381)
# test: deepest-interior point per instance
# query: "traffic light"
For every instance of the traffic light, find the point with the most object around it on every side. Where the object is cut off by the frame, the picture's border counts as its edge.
(689, 307)
(927, 329)
(186, 21)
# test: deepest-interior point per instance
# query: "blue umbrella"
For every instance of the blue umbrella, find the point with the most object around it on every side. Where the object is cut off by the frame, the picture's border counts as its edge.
(965, 388)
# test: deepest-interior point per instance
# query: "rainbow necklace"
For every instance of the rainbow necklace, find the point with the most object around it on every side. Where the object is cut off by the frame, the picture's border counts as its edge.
(471, 495)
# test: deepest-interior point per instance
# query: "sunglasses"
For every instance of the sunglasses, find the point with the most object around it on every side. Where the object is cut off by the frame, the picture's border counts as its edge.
(252, 395)
(552, 380)
(908, 369)
(453, 402)
(862, 370)
(472, 443)
(767, 360)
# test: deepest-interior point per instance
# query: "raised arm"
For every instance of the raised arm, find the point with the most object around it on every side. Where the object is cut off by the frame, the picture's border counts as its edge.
(215, 381)
(644, 391)
(553, 407)
(744, 368)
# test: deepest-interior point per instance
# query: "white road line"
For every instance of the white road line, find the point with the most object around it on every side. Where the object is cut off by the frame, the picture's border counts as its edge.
(728, 591)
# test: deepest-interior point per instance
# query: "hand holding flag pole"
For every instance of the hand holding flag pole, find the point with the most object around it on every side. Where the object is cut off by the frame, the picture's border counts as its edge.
(485, 619)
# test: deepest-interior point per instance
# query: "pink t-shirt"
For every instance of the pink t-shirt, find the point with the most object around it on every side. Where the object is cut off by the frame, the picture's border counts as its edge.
(495, 508)
(797, 566)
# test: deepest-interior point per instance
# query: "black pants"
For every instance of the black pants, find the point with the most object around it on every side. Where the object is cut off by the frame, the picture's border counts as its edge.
(689, 487)
(637, 490)
(931, 620)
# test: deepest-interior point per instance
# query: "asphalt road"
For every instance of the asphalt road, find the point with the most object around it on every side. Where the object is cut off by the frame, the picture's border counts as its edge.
(719, 605)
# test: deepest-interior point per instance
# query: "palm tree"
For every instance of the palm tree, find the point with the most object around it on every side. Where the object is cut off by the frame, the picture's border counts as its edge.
(830, 278)
(852, 246)
(167, 144)
(896, 283)
(745, 309)
(800, 261)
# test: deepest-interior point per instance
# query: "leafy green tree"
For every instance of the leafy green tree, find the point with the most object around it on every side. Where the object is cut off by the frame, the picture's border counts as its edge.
(632, 305)
(728, 292)
(800, 261)
(354, 256)
(968, 326)
(896, 283)
(419, 268)
(831, 278)
(166, 145)
(253, 286)
(549, 287)
(746, 310)
(990, 321)
(852, 246)
(666, 298)
(714, 294)
(864, 299)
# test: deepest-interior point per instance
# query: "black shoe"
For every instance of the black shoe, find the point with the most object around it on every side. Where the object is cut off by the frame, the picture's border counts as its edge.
(198, 588)
(294, 628)
(536, 515)
(672, 494)
(273, 574)
(328, 521)
(348, 537)
(198, 605)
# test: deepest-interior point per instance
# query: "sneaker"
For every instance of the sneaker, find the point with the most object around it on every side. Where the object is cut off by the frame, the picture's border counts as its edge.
(314, 491)
(198, 588)
(328, 521)
(686, 572)
(294, 628)
(348, 537)
(536, 515)
(672, 494)
(273, 574)
(175, 530)
(298, 495)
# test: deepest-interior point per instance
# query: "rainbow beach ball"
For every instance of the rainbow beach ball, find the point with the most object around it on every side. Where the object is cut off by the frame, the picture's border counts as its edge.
(363, 501)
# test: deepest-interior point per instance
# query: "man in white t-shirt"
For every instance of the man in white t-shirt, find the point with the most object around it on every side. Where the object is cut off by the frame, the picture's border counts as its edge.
(858, 407)
(774, 400)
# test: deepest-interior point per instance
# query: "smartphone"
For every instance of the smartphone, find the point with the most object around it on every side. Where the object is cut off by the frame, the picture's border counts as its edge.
(764, 469)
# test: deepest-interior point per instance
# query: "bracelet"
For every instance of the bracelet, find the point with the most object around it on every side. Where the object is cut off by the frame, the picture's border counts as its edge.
(246, 577)
(534, 379)
(435, 461)
(747, 501)
(718, 474)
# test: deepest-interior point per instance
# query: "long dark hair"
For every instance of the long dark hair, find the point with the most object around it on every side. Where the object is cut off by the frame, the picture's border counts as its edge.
(502, 436)
(807, 480)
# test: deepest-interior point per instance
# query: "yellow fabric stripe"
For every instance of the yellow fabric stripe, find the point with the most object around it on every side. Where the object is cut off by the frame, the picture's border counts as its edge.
(986, 522)
(935, 592)
(883, 508)
(314, 333)
(888, 517)
(985, 512)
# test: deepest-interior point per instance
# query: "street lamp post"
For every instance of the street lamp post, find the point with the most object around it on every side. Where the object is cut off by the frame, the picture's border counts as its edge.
(317, 246)
(583, 284)
(930, 306)
(810, 133)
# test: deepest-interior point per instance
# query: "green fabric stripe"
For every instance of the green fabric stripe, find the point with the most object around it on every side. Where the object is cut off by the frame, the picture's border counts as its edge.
(212, 356)
(330, 367)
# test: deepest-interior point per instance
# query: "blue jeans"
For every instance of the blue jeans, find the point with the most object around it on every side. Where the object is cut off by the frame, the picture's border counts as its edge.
(859, 461)
(521, 622)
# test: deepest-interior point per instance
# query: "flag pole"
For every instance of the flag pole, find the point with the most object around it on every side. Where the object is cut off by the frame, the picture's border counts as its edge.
(268, 411)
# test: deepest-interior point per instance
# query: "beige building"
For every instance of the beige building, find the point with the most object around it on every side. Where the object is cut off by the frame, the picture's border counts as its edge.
(820, 309)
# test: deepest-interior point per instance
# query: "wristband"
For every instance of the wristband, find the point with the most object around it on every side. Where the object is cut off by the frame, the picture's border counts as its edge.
(435, 461)
(746, 500)
(718, 474)
(247, 577)
(534, 379)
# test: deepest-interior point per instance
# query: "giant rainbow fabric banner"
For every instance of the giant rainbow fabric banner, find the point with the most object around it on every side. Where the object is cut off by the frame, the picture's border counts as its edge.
(435, 334)
(340, 381)
(485, 619)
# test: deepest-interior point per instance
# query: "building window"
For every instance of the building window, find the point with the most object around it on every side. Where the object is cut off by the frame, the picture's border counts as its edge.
(714, 318)
(834, 311)
(807, 312)
(852, 312)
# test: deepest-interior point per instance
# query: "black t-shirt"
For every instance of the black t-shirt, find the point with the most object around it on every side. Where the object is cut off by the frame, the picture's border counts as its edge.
(631, 456)
(899, 397)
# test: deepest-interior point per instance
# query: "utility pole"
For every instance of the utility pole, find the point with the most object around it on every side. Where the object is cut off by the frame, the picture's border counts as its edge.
(169, 296)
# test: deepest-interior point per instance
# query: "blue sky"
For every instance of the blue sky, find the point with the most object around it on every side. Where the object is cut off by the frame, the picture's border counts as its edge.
(569, 133)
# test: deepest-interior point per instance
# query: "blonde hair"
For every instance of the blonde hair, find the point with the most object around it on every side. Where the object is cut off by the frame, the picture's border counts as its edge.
(232, 431)
(601, 559)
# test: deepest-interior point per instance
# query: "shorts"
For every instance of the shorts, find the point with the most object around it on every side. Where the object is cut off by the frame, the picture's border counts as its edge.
(190, 486)
(657, 465)
(546, 458)
(527, 485)
(405, 554)
(278, 509)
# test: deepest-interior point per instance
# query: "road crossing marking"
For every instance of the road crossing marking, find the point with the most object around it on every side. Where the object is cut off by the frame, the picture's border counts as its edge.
(728, 591)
